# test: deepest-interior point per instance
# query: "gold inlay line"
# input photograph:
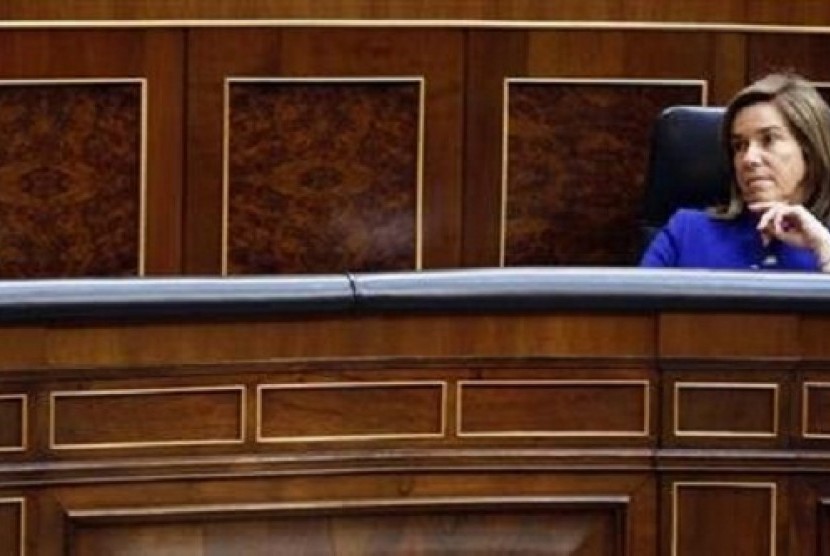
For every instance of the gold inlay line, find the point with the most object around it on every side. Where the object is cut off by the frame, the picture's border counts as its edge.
(24, 420)
(450, 23)
(644, 432)
(441, 433)
(418, 80)
(675, 518)
(142, 164)
(441, 502)
(602, 81)
(53, 397)
(21, 502)
(680, 385)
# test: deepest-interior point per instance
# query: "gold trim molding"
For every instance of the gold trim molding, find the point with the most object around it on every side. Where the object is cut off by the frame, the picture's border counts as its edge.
(644, 432)
(675, 517)
(24, 418)
(442, 432)
(676, 431)
(495, 24)
(53, 396)
(21, 502)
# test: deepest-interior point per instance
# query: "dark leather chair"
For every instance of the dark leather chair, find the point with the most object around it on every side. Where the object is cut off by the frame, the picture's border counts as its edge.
(687, 166)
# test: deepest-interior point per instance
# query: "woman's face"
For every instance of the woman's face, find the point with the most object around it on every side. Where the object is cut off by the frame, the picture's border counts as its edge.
(769, 163)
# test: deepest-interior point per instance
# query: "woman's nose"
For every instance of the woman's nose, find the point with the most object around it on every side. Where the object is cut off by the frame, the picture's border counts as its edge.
(751, 156)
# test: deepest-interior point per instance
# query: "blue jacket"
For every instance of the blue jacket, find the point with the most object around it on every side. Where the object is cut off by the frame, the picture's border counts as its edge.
(693, 239)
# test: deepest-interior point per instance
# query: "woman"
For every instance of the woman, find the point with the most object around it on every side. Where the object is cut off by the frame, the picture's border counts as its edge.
(776, 131)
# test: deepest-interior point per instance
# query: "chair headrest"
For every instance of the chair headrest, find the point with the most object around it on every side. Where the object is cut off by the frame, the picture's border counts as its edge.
(687, 165)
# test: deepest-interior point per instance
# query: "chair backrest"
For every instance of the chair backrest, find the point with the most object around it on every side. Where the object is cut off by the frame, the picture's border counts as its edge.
(687, 166)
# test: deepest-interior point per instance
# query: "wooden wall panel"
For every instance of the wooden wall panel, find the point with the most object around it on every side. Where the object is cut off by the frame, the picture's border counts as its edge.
(12, 527)
(576, 159)
(759, 11)
(13, 422)
(351, 411)
(716, 335)
(434, 55)
(805, 54)
(699, 511)
(492, 56)
(721, 406)
(428, 335)
(71, 178)
(493, 528)
(555, 408)
(142, 417)
(152, 55)
(323, 176)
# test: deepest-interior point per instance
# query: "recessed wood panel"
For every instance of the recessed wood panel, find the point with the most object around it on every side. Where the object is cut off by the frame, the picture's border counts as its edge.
(71, 178)
(576, 154)
(723, 519)
(553, 408)
(815, 410)
(151, 55)
(401, 335)
(12, 527)
(726, 409)
(422, 527)
(342, 157)
(12, 422)
(802, 53)
(705, 335)
(350, 411)
(142, 418)
(323, 175)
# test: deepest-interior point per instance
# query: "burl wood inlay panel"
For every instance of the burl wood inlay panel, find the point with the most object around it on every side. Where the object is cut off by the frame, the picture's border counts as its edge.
(11, 527)
(12, 423)
(323, 176)
(576, 163)
(70, 179)
(351, 411)
(152, 417)
(729, 410)
(553, 408)
(498, 528)
(700, 512)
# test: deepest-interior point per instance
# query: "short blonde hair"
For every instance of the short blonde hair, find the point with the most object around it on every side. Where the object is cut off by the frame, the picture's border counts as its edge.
(808, 117)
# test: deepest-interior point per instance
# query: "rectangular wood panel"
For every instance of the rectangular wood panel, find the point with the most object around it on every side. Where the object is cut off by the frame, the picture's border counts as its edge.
(734, 410)
(351, 411)
(373, 528)
(12, 526)
(13, 422)
(147, 417)
(572, 408)
(323, 175)
(575, 153)
(700, 510)
(712, 335)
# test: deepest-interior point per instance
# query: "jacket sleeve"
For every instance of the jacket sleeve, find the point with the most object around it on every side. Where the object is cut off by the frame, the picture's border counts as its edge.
(664, 250)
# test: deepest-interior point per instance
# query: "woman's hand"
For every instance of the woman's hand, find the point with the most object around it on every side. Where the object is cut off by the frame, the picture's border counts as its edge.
(796, 226)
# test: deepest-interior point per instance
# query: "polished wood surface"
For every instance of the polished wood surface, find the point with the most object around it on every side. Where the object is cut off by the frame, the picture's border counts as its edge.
(494, 175)
(729, 11)
(626, 433)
